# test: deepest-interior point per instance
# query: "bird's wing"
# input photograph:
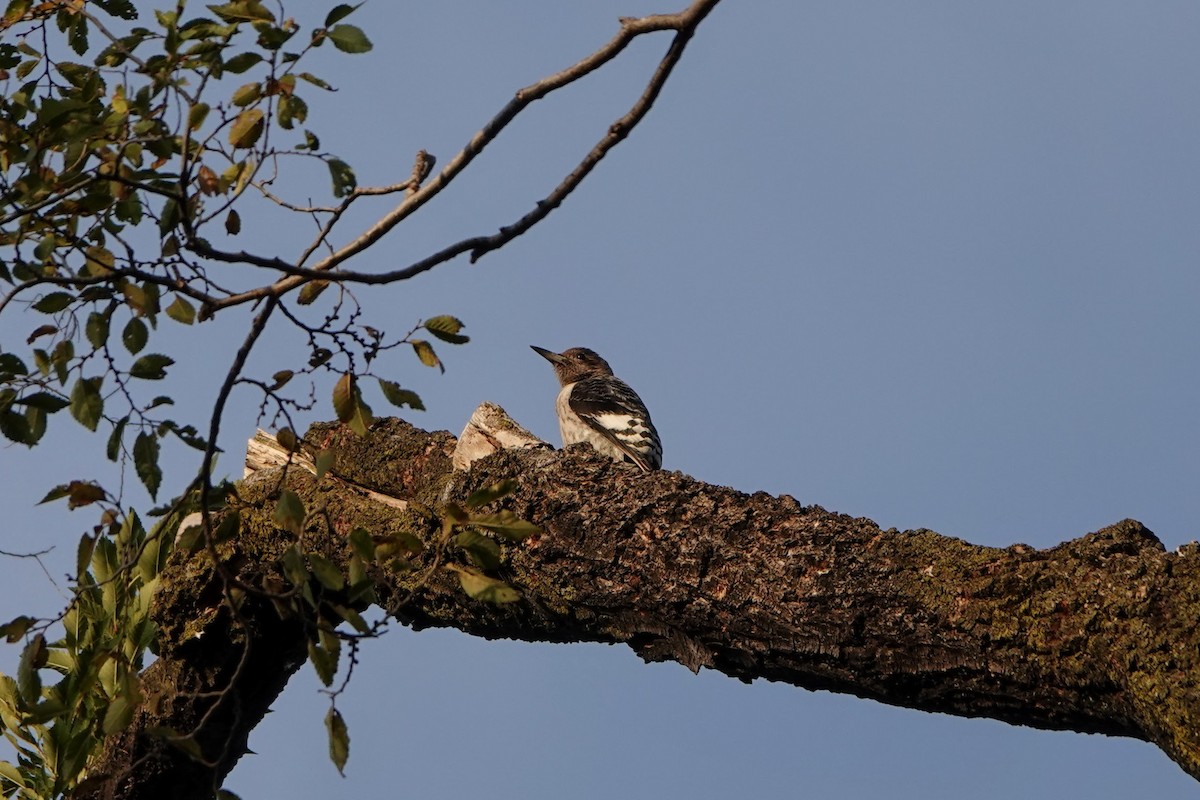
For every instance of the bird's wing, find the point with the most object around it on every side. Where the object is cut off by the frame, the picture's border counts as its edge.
(610, 407)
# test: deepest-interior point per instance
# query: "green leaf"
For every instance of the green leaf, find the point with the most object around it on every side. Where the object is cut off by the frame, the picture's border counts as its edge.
(14, 629)
(96, 329)
(53, 302)
(287, 438)
(169, 217)
(481, 587)
(87, 406)
(315, 81)
(35, 418)
(10, 365)
(290, 110)
(349, 39)
(181, 311)
(118, 8)
(228, 527)
(242, 62)
(311, 142)
(343, 397)
(324, 461)
(323, 661)
(454, 513)
(15, 427)
(143, 298)
(363, 419)
(10, 773)
(64, 351)
(339, 739)
(113, 450)
(289, 512)
(507, 524)
(27, 67)
(293, 566)
(353, 617)
(145, 461)
(196, 115)
(77, 36)
(362, 544)
(45, 401)
(424, 351)
(400, 397)
(243, 11)
(33, 658)
(488, 494)
(339, 13)
(247, 128)
(326, 572)
(484, 552)
(84, 553)
(311, 291)
(362, 588)
(135, 335)
(151, 367)
(446, 328)
(190, 539)
(62, 490)
(349, 406)
(100, 261)
(119, 714)
(343, 177)
(273, 38)
(247, 94)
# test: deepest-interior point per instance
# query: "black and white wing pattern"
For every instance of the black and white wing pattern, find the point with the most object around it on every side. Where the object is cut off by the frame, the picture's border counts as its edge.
(610, 408)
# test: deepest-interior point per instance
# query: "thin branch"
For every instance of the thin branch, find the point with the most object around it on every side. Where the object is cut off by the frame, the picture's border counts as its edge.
(684, 23)
(27, 210)
(74, 282)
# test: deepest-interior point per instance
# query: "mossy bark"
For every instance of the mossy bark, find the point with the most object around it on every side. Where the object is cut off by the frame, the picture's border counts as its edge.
(1095, 635)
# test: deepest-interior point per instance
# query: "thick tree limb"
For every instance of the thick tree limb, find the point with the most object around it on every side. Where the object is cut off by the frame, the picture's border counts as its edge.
(1095, 635)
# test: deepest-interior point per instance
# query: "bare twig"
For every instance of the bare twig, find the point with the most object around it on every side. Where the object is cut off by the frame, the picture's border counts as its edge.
(684, 24)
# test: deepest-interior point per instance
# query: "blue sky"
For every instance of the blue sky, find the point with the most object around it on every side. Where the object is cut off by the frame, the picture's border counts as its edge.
(931, 263)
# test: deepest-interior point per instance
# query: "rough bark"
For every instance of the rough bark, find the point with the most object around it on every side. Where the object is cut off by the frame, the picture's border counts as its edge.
(1096, 635)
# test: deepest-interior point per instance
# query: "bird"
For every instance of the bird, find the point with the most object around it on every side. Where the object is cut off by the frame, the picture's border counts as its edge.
(597, 407)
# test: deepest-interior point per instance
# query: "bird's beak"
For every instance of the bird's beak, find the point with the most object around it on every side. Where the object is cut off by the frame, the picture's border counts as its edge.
(549, 355)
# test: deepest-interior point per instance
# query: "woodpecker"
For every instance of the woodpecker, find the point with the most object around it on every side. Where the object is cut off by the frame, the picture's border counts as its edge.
(597, 407)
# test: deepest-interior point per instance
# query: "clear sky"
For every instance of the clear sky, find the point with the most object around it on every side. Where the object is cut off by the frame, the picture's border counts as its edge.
(931, 263)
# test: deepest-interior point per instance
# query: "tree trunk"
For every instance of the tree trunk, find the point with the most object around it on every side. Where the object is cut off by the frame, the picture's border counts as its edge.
(1096, 635)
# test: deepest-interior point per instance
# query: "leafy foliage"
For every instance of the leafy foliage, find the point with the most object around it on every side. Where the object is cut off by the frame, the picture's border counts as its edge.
(124, 131)
(132, 148)
(55, 726)
(123, 141)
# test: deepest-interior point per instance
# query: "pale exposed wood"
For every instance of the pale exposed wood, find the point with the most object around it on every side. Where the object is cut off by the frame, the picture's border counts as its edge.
(490, 429)
(264, 452)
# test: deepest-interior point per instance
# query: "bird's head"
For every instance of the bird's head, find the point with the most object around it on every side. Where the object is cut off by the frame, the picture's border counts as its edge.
(574, 364)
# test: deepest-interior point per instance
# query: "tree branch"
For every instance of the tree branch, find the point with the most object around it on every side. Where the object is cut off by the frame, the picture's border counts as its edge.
(1096, 635)
(684, 24)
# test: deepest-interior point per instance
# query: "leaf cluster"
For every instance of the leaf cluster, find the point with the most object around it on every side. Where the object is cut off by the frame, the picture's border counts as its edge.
(55, 727)
(98, 154)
